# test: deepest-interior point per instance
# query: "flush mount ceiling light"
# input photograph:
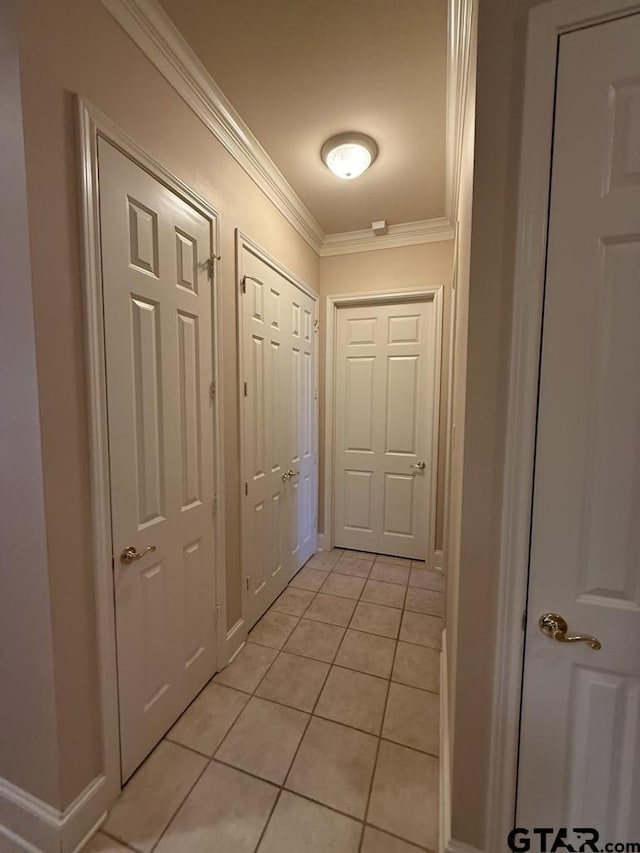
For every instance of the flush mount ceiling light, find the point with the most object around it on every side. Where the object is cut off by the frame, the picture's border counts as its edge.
(348, 155)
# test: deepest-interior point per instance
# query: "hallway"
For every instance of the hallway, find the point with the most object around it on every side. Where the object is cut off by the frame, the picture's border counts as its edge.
(322, 735)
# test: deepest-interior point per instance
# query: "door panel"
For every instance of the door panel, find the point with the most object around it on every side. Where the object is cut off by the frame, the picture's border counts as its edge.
(158, 343)
(279, 432)
(580, 734)
(386, 371)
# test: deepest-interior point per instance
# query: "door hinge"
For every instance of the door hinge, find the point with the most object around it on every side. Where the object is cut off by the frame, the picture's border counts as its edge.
(315, 395)
(212, 265)
(245, 389)
(212, 390)
(246, 488)
(215, 503)
(247, 582)
(243, 284)
(316, 325)
(217, 613)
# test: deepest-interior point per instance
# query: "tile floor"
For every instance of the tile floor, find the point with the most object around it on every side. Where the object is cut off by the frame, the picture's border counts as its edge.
(321, 736)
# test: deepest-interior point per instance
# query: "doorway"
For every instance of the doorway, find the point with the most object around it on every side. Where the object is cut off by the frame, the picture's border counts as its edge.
(381, 422)
(152, 343)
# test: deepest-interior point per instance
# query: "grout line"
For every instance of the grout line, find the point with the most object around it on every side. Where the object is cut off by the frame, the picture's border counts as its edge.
(375, 762)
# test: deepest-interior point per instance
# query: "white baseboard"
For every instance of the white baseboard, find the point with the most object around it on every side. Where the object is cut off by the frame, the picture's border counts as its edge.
(31, 825)
(460, 847)
(234, 642)
(445, 750)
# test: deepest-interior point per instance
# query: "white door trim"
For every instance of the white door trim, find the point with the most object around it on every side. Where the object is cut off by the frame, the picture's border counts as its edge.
(343, 300)
(91, 125)
(546, 23)
(245, 242)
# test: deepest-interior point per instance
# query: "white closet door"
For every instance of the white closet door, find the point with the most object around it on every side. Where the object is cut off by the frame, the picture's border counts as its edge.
(580, 729)
(386, 368)
(301, 423)
(279, 432)
(157, 310)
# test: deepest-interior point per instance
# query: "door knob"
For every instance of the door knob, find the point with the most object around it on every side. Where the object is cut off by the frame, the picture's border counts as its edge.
(554, 626)
(294, 473)
(419, 465)
(130, 554)
(286, 475)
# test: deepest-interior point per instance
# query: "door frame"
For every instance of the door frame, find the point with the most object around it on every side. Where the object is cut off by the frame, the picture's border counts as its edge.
(545, 26)
(333, 304)
(92, 125)
(245, 242)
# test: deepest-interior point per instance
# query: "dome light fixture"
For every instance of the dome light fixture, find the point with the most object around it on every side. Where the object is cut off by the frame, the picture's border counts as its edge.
(350, 154)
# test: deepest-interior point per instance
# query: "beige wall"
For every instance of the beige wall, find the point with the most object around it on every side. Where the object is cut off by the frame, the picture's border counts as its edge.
(427, 265)
(75, 46)
(27, 708)
(501, 52)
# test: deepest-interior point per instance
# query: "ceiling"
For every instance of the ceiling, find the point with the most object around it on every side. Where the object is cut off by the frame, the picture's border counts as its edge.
(300, 71)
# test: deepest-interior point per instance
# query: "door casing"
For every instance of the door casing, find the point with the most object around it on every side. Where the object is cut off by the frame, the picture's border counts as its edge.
(91, 125)
(332, 305)
(546, 24)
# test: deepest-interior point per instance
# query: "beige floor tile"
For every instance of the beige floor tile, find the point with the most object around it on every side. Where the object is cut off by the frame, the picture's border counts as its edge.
(346, 586)
(324, 560)
(425, 601)
(360, 555)
(418, 666)
(293, 601)
(354, 699)
(389, 573)
(404, 796)
(207, 720)
(247, 668)
(264, 739)
(331, 609)
(375, 841)
(309, 579)
(334, 766)
(353, 566)
(273, 629)
(426, 579)
(413, 718)
(378, 592)
(376, 619)
(101, 843)
(394, 561)
(225, 813)
(367, 653)
(297, 824)
(294, 681)
(315, 640)
(153, 794)
(421, 629)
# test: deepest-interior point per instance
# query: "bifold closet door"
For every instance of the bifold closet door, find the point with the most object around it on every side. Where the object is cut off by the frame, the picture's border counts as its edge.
(279, 432)
(159, 368)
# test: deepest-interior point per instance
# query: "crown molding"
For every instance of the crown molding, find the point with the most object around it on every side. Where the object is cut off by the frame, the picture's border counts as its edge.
(405, 234)
(459, 30)
(155, 34)
(148, 25)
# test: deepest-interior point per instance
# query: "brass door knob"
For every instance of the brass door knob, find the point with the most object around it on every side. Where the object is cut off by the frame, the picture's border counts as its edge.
(131, 554)
(286, 475)
(419, 465)
(555, 626)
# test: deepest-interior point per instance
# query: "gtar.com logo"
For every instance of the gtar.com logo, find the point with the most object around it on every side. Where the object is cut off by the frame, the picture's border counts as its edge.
(579, 839)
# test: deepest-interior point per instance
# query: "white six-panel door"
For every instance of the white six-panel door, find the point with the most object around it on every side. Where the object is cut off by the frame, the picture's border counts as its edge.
(159, 365)
(279, 431)
(385, 403)
(580, 730)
